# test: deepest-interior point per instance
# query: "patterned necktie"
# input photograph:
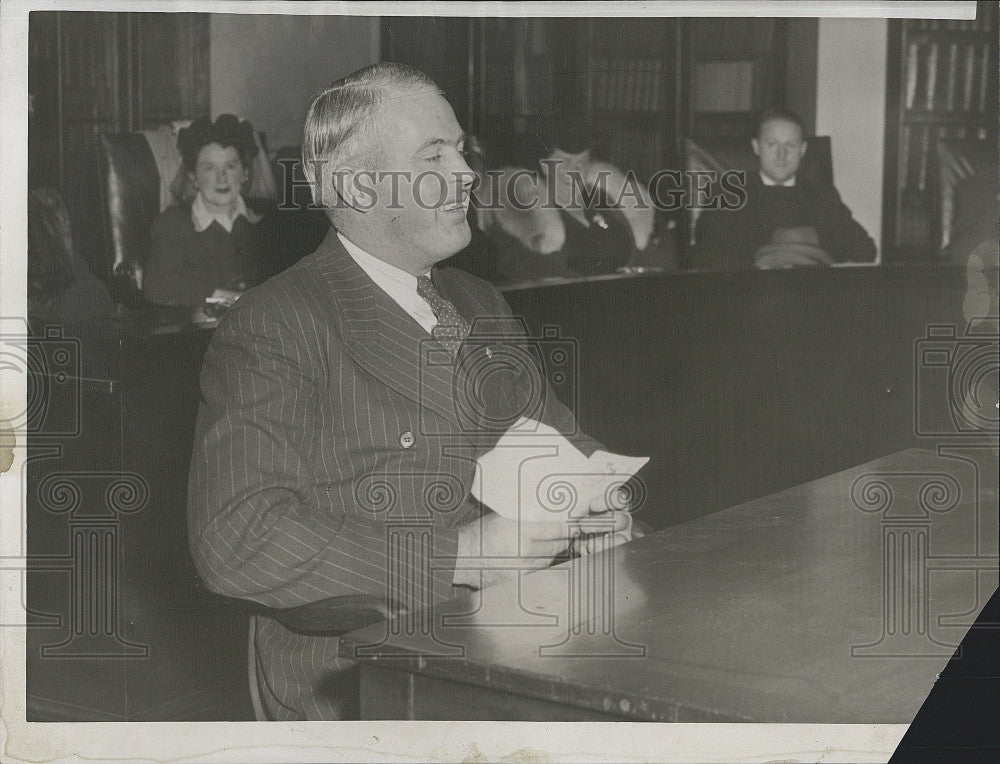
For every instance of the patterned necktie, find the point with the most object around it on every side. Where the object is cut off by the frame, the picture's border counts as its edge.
(451, 328)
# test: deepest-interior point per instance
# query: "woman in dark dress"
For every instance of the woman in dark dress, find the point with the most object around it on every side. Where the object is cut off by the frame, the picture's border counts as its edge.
(213, 242)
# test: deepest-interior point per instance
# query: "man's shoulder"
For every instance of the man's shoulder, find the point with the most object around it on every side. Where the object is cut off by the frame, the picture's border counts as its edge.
(287, 298)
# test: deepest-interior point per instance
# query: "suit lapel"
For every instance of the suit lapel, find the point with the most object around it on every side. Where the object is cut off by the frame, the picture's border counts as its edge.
(382, 337)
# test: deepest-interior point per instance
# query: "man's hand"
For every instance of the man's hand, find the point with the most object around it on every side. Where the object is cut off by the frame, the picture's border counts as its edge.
(512, 545)
(608, 524)
(527, 545)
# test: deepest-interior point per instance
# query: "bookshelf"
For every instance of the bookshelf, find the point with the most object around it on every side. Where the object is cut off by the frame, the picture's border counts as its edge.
(528, 73)
(91, 72)
(942, 84)
(733, 68)
(638, 84)
(630, 68)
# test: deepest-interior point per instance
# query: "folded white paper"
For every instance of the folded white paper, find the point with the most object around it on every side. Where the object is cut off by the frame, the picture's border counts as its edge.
(535, 474)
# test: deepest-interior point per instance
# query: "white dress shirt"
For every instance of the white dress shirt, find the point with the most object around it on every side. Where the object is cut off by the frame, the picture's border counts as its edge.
(202, 216)
(398, 284)
(769, 182)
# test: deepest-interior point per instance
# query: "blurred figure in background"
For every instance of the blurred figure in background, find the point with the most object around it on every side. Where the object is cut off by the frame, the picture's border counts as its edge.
(553, 210)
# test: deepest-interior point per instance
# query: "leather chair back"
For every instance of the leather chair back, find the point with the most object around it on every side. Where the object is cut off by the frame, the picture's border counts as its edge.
(721, 155)
(130, 201)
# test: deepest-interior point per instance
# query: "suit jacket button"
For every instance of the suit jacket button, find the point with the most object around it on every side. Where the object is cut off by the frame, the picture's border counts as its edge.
(406, 440)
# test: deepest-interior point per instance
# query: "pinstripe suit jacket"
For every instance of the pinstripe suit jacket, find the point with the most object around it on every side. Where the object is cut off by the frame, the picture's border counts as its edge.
(328, 417)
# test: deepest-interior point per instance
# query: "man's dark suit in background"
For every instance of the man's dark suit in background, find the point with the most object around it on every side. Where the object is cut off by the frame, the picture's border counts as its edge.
(730, 239)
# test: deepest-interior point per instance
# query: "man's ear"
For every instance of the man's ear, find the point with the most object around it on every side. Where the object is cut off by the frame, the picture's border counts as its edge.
(347, 186)
(802, 151)
(356, 188)
(755, 145)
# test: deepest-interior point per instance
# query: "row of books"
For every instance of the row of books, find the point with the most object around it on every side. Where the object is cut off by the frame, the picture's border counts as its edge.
(626, 85)
(948, 77)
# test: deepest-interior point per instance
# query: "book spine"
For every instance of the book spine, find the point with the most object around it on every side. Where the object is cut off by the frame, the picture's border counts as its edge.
(924, 146)
(657, 73)
(622, 84)
(633, 85)
(931, 75)
(984, 76)
(605, 84)
(970, 68)
(903, 174)
(911, 74)
(618, 102)
(641, 87)
(952, 67)
(653, 98)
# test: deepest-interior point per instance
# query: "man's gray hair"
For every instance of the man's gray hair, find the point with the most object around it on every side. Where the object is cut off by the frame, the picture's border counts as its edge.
(339, 124)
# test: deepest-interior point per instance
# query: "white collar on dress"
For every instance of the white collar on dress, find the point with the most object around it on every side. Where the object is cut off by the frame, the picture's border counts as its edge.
(202, 216)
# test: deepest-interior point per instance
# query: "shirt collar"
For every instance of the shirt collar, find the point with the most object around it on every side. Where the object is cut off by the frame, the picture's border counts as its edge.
(202, 216)
(371, 263)
(395, 282)
(769, 182)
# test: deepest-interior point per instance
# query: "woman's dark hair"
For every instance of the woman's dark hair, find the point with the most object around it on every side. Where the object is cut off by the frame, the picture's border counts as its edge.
(227, 131)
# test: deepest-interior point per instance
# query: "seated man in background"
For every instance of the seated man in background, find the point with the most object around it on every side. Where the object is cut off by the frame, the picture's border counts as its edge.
(786, 221)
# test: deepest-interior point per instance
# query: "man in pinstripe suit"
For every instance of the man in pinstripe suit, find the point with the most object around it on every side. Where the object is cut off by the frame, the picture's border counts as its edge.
(322, 421)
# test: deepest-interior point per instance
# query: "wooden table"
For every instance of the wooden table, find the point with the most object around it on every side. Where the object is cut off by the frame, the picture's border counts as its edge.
(839, 600)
